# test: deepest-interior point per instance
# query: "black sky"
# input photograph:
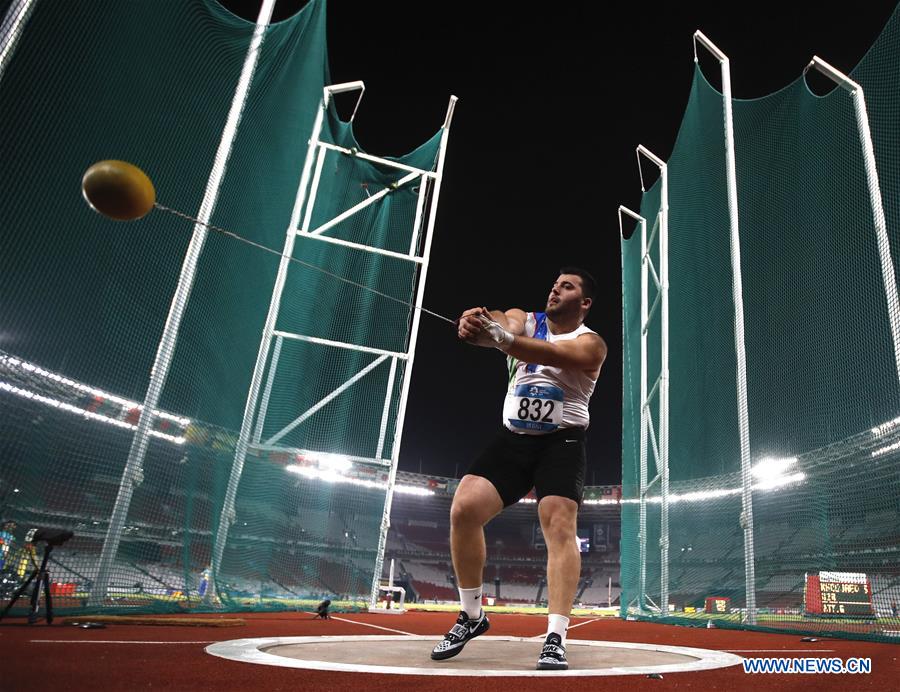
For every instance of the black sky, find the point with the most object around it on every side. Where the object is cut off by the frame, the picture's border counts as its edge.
(553, 100)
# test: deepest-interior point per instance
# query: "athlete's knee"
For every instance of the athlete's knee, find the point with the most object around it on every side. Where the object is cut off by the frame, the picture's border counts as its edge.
(467, 511)
(558, 520)
(476, 501)
(559, 534)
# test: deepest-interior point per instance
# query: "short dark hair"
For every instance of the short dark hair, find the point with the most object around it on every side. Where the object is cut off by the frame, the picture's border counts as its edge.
(588, 283)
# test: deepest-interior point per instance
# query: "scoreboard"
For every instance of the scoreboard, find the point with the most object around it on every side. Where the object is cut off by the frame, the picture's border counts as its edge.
(720, 605)
(839, 594)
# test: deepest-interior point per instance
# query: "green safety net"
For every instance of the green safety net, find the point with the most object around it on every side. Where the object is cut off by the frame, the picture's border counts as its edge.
(84, 302)
(822, 388)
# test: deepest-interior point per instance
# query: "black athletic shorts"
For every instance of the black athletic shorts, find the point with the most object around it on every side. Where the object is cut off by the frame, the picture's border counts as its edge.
(552, 464)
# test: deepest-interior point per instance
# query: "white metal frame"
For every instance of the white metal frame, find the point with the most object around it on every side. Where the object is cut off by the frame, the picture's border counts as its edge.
(414, 334)
(642, 521)
(17, 16)
(132, 475)
(375, 605)
(399, 600)
(881, 236)
(746, 518)
(660, 389)
(254, 420)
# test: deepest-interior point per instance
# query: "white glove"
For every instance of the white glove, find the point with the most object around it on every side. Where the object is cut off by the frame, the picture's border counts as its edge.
(501, 337)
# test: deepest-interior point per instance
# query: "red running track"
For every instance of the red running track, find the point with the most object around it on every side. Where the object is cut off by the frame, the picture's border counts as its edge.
(62, 657)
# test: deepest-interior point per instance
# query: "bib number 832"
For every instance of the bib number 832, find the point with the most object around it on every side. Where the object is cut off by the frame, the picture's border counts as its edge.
(532, 409)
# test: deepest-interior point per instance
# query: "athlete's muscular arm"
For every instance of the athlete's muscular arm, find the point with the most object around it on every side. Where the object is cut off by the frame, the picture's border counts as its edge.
(585, 352)
(512, 320)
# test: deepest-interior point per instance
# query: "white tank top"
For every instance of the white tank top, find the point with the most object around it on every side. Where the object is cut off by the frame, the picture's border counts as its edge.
(541, 399)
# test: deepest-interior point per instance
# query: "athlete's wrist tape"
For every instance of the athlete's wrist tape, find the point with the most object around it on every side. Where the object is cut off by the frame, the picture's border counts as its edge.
(503, 338)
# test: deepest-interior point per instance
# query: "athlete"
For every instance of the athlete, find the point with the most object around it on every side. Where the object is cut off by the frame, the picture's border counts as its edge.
(554, 361)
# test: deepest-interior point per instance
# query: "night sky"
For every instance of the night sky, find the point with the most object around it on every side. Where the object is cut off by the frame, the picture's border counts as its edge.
(552, 104)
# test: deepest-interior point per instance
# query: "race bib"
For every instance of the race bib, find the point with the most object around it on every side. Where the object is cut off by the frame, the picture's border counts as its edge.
(534, 408)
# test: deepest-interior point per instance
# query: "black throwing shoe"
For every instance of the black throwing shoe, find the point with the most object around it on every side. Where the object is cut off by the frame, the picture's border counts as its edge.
(464, 630)
(553, 655)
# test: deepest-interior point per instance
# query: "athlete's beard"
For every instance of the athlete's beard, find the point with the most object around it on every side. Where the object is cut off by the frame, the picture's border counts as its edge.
(559, 311)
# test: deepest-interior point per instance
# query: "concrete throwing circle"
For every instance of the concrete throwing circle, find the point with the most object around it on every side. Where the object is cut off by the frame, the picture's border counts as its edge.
(484, 656)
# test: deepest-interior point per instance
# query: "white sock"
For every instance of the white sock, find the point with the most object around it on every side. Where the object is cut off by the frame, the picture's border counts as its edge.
(470, 602)
(558, 624)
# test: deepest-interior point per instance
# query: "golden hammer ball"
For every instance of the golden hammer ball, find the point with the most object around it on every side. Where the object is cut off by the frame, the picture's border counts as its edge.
(118, 190)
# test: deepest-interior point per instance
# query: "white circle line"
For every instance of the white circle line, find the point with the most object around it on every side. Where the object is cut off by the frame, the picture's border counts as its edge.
(250, 651)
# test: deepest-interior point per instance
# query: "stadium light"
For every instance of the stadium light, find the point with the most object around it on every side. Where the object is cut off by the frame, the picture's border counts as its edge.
(885, 450)
(770, 469)
(412, 490)
(880, 430)
(33, 369)
(333, 462)
(772, 473)
(700, 495)
(90, 415)
(773, 482)
(779, 481)
(330, 476)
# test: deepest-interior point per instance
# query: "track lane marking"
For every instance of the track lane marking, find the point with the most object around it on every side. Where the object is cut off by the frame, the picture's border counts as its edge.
(377, 627)
(113, 641)
(787, 651)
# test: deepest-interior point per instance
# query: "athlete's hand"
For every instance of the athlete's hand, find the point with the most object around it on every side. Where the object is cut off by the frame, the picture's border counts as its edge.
(477, 327)
(502, 338)
(471, 327)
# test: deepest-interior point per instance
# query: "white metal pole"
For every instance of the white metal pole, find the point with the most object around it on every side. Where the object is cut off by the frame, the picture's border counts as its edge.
(314, 189)
(11, 29)
(413, 338)
(888, 275)
(133, 473)
(340, 344)
(645, 420)
(389, 390)
(644, 403)
(226, 516)
(664, 390)
(381, 161)
(324, 401)
(417, 221)
(359, 246)
(369, 201)
(267, 392)
(663, 455)
(746, 518)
